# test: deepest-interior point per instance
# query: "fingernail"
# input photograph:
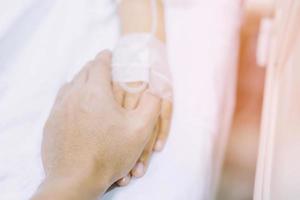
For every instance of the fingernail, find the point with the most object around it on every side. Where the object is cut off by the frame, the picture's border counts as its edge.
(159, 145)
(124, 181)
(138, 170)
(105, 54)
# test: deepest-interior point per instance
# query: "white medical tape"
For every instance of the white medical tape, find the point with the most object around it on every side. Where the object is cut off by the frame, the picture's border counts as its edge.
(140, 57)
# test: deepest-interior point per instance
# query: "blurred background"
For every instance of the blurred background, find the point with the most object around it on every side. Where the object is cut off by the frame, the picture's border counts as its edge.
(238, 174)
(261, 159)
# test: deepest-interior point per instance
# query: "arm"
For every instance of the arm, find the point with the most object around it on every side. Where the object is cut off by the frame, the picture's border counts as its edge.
(136, 16)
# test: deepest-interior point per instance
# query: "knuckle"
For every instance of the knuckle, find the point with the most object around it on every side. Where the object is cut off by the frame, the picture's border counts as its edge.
(138, 124)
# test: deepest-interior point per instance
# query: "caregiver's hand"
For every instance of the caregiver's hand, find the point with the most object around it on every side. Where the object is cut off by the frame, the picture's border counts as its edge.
(90, 141)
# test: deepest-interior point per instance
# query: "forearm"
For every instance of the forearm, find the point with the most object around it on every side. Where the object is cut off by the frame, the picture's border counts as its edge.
(136, 16)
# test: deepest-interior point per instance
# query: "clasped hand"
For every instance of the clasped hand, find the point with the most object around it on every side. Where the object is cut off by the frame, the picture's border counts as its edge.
(90, 141)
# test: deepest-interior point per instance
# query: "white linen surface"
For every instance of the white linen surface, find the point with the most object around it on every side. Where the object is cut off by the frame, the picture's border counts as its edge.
(44, 43)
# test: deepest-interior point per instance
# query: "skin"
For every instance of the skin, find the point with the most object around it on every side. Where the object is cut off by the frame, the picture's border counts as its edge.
(89, 140)
(135, 17)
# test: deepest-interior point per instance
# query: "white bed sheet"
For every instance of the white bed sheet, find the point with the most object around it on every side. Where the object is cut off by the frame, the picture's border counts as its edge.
(44, 43)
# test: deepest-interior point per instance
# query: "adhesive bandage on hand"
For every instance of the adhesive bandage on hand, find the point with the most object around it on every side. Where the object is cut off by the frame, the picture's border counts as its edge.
(140, 57)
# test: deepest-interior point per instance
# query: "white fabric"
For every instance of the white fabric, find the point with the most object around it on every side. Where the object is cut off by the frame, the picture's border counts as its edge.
(44, 43)
(142, 57)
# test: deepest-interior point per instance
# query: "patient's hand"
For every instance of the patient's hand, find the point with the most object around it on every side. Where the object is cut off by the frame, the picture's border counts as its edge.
(90, 141)
(159, 135)
(132, 21)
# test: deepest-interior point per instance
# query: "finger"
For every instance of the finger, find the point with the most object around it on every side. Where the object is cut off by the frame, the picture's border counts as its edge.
(100, 72)
(148, 108)
(142, 165)
(119, 93)
(82, 76)
(124, 181)
(165, 123)
(131, 99)
(62, 92)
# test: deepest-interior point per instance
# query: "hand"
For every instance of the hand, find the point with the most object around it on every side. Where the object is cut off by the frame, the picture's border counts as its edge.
(132, 21)
(159, 136)
(90, 141)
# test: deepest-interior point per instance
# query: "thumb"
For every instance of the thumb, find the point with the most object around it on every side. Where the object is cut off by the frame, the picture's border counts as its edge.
(148, 107)
(99, 73)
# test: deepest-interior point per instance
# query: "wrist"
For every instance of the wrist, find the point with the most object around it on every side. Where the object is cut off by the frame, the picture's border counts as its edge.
(69, 188)
(137, 17)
